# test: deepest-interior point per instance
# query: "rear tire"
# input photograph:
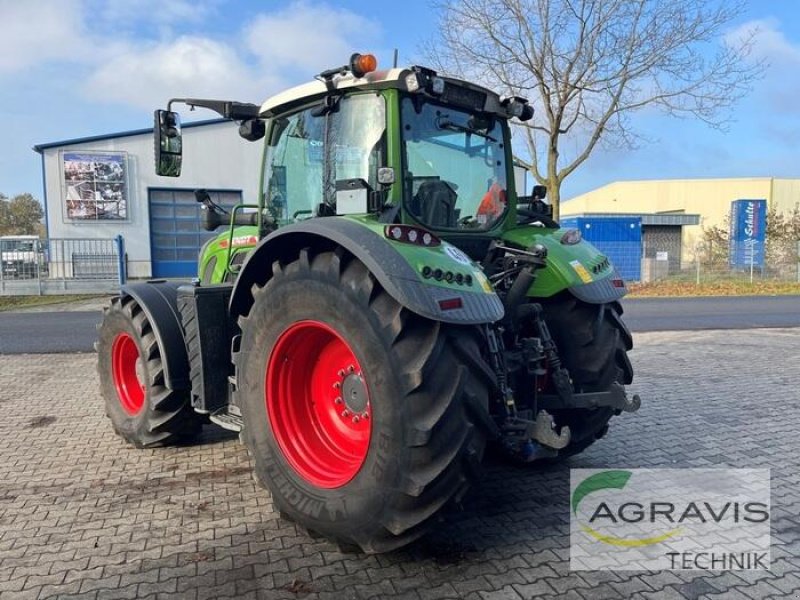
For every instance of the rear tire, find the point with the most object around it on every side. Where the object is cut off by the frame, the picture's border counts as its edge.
(593, 345)
(418, 448)
(141, 408)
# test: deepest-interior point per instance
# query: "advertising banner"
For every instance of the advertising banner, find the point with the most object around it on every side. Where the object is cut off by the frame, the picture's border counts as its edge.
(95, 186)
(748, 233)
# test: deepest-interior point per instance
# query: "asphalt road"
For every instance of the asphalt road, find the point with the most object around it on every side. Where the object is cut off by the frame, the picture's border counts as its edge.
(741, 312)
(47, 332)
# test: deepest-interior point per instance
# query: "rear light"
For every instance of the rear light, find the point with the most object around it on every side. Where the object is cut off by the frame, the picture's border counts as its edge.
(617, 282)
(409, 234)
(450, 304)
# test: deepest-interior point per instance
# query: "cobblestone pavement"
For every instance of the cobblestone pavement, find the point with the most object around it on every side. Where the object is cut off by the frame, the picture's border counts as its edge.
(83, 514)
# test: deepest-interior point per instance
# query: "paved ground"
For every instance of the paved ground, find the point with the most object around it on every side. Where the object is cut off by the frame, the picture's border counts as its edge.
(71, 327)
(82, 513)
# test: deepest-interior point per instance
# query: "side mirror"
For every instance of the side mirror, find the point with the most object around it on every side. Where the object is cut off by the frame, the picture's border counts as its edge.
(168, 143)
(540, 192)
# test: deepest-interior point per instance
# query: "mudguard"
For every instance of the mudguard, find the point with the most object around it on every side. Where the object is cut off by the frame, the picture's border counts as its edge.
(159, 301)
(578, 267)
(396, 267)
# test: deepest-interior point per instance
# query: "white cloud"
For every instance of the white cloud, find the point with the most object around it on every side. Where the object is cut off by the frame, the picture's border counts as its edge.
(780, 87)
(308, 38)
(197, 67)
(154, 11)
(127, 52)
(39, 30)
(770, 43)
(278, 51)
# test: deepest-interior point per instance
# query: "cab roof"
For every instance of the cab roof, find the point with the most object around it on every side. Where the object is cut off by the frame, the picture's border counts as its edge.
(379, 79)
(317, 88)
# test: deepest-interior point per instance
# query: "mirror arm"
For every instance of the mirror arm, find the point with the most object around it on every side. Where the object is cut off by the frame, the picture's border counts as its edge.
(236, 111)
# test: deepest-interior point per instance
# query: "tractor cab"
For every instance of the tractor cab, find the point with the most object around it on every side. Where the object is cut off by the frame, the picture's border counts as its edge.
(403, 145)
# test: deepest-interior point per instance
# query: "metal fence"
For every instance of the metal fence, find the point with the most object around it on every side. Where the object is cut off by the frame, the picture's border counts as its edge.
(780, 263)
(61, 265)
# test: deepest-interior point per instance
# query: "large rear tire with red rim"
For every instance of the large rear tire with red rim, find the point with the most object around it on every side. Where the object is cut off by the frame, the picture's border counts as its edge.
(360, 416)
(141, 408)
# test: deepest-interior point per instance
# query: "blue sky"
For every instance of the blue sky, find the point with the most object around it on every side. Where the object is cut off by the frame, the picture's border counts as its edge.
(74, 68)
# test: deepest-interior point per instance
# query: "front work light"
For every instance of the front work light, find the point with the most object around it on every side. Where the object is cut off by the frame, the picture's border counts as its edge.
(571, 237)
(518, 107)
(412, 82)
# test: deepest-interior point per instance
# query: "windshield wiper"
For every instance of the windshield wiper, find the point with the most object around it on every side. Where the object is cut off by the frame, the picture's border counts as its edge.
(449, 125)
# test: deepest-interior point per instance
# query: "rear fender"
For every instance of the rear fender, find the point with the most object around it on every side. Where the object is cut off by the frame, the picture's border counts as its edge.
(395, 266)
(159, 301)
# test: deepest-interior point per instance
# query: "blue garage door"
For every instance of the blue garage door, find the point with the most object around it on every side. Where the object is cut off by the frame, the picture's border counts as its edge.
(175, 233)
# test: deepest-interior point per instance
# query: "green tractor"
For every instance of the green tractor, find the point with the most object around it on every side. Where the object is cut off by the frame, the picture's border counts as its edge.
(388, 308)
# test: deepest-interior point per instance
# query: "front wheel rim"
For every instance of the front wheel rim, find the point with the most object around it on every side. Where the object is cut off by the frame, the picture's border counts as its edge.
(318, 404)
(126, 367)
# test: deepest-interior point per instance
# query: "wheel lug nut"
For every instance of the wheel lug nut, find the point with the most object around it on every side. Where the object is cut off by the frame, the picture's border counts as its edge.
(341, 373)
(365, 415)
(356, 419)
(336, 385)
(351, 368)
(338, 400)
(345, 413)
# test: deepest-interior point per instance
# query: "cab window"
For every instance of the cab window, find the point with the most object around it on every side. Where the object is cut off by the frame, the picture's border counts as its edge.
(456, 167)
(350, 140)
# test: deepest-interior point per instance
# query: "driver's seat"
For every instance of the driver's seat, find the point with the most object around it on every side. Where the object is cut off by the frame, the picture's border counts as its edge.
(436, 202)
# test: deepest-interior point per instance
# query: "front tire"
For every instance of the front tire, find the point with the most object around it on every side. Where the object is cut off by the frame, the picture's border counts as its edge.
(356, 411)
(141, 408)
(593, 345)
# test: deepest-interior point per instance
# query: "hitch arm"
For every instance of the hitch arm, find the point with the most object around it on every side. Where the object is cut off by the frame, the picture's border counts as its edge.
(615, 398)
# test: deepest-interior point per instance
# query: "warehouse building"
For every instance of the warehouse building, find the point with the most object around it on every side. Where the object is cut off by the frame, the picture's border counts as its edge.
(104, 186)
(658, 224)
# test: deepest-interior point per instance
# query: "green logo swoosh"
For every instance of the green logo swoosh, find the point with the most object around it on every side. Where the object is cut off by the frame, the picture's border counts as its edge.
(599, 481)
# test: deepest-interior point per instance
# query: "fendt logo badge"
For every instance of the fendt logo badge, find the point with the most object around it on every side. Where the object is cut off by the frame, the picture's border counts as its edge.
(713, 519)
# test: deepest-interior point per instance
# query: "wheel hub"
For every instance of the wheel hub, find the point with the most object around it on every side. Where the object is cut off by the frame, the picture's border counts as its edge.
(354, 393)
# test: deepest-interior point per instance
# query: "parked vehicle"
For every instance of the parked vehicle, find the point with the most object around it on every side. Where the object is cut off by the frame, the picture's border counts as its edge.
(388, 307)
(19, 255)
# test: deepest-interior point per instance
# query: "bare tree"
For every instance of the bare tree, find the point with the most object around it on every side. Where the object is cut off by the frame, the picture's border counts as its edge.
(588, 65)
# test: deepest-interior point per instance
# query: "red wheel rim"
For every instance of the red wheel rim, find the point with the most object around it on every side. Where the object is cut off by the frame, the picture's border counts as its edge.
(318, 404)
(125, 366)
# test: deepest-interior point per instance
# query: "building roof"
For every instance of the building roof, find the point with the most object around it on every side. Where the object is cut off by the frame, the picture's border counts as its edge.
(676, 219)
(120, 134)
